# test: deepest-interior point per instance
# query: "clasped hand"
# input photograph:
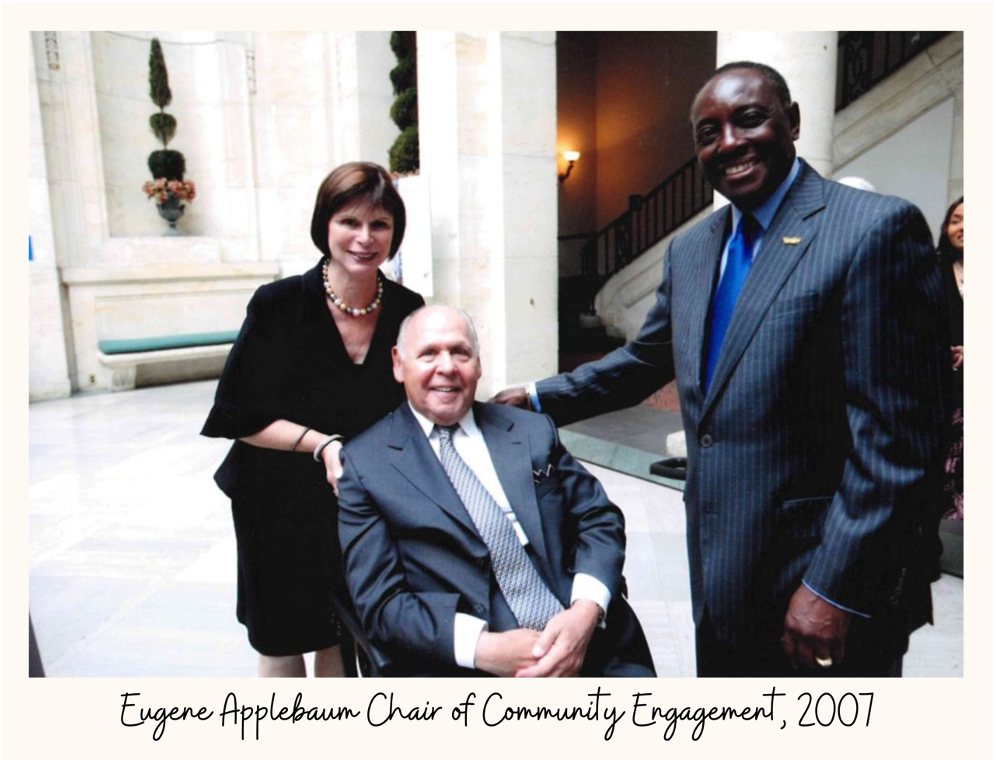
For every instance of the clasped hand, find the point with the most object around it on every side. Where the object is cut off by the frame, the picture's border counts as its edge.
(557, 652)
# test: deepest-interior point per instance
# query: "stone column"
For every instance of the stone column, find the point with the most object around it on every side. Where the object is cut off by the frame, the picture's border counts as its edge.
(808, 61)
(956, 174)
(362, 96)
(487, 116)
(71, 125)
(48, 370)
(321, 99)
(291, 137)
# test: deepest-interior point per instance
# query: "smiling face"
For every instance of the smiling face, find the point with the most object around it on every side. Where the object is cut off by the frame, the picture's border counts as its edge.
(744, 136)
(438, 364)
(956, 227)
(360, 239)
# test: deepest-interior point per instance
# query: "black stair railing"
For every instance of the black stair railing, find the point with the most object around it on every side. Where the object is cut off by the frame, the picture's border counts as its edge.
(649, 219)
(866, 58)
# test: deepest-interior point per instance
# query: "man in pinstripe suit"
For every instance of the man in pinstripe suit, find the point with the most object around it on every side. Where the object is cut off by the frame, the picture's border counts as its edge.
(814, 409)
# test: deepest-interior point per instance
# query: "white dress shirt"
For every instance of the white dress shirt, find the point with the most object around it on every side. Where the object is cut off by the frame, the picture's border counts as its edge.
(470, 445)
(764, 215)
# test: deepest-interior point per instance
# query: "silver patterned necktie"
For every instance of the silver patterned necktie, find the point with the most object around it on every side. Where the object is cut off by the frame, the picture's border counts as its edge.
(528, 596)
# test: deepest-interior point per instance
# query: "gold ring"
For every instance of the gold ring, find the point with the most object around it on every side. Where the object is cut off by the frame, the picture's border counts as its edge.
(824, 663)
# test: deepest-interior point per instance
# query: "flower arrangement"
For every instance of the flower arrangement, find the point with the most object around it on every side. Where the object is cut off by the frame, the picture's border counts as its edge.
(163, 189)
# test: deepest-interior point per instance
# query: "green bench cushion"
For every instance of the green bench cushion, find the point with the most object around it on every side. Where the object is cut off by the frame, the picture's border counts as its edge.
(188, 340)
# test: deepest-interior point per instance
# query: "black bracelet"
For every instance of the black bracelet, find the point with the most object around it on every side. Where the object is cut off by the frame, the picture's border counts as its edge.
(299, 439)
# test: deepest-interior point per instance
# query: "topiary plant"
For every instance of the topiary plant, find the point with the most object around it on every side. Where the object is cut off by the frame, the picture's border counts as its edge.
(403, 155)
(165, 163)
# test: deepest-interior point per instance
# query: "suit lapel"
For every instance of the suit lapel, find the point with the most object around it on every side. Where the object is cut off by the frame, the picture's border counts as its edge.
(512, 458)
(775, 262)
(412, 456)
(706, 262)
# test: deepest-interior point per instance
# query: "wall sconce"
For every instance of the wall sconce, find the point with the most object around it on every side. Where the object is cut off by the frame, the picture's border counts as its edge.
(570, 156)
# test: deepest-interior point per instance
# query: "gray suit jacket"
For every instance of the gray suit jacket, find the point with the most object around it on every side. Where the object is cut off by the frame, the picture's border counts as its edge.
(413, 558)
(814, 454)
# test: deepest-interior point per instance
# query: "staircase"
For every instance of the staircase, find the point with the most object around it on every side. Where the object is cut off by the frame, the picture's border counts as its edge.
(582, 337)
(648, 220)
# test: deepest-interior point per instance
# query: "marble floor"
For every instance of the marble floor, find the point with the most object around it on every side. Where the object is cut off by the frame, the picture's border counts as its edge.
(132, 553)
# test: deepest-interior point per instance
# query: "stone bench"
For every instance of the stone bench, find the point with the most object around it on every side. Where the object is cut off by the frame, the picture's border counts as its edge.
(158, 319)
(124, 357)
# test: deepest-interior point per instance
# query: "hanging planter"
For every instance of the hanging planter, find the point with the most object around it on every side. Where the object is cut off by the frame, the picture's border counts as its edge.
(170, 196)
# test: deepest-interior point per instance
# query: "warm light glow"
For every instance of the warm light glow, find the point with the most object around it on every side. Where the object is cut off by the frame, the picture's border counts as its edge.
(570, 156)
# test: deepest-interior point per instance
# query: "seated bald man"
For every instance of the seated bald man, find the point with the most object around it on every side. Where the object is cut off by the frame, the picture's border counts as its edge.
(473, 543)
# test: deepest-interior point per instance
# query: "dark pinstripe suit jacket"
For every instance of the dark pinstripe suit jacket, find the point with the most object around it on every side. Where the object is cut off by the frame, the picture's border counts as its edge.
(814, 454)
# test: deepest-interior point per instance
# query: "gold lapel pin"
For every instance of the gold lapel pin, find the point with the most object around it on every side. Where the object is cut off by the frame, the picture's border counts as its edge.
(791, 240)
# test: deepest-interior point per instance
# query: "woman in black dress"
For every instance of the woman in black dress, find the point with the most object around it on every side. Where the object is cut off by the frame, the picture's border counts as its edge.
(311, 368)
(951, 251)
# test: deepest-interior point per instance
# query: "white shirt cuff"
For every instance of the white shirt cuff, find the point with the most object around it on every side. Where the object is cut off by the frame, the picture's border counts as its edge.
(467, 630)
(534, 396)
(589, 587)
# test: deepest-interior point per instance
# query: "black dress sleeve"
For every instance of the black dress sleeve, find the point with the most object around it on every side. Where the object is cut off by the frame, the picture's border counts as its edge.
(956, 328)
(249, 393)
(956, 306)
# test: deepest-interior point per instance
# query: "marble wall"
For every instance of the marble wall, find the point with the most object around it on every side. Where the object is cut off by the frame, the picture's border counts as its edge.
(48, 362)
(487, 128)
(262, 118)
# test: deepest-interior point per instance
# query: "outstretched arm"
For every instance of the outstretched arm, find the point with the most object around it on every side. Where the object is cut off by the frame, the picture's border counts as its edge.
(620, 379)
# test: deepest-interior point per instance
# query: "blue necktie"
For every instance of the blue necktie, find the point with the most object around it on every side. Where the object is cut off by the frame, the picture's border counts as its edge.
(738, 261)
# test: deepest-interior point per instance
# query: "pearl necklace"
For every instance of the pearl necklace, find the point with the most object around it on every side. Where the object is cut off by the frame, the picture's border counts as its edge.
(341, 305)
